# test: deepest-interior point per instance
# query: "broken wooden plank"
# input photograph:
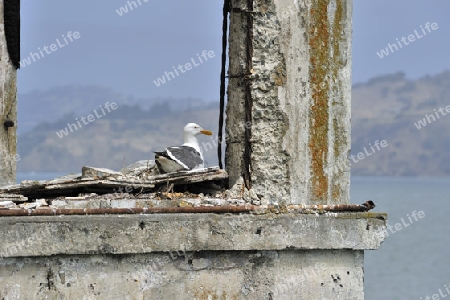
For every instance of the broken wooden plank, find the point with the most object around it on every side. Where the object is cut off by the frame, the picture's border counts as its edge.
(99, 173)
(188, 177)
(12, 197)
(7, 204)
(141, 168)
(101, 183)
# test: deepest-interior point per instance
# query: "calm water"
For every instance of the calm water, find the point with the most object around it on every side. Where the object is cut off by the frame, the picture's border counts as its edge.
(413, 262)
(38, 175)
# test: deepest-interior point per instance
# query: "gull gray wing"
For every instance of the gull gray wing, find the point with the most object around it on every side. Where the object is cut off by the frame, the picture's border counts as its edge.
(185, 155)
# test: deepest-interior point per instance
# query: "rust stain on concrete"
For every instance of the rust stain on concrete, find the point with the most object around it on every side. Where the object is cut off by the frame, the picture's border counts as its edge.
(319, 37)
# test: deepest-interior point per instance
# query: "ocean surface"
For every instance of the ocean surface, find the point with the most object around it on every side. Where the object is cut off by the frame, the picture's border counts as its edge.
(414, 261)
(38, 175)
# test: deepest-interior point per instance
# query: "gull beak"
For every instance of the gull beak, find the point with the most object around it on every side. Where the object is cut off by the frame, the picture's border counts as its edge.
(206, 132)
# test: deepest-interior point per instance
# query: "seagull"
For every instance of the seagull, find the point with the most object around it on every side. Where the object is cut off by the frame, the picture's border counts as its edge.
(185, 157)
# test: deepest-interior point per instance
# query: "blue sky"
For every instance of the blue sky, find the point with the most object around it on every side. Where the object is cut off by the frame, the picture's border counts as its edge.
(129, 52)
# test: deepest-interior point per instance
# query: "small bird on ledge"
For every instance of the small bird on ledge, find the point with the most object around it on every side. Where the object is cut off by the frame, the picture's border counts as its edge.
(185, 157)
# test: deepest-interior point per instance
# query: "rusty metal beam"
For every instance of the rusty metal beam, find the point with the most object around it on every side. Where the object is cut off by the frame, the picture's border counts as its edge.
(368, 205)
(125, 211)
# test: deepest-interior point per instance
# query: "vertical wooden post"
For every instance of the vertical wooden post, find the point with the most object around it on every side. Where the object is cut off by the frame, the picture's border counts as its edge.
(9, 63)
(288, 112)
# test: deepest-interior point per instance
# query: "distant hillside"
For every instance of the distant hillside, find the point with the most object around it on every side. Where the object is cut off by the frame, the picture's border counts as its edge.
(384, 108)
(118, 138)
(46, 106)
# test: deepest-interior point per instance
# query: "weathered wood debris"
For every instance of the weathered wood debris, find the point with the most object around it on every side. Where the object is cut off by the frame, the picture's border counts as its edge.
(139, 188)
(140, 181)
(140, 177)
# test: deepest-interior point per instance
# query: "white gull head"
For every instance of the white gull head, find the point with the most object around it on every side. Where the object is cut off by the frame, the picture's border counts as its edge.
(191, 130)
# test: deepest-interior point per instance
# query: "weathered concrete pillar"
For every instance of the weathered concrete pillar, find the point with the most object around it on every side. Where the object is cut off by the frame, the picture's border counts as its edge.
(8, 92)
(288, 114)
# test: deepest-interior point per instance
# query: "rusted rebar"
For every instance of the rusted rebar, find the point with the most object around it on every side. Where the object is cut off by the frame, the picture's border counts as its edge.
(248, 101)
(124, 211)
(226, 10)
(368, 205)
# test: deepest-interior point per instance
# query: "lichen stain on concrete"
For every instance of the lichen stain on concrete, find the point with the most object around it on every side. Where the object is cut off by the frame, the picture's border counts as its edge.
(362, 215)
(279, 77)
(319, 114)
(339, 128)
(336, 191)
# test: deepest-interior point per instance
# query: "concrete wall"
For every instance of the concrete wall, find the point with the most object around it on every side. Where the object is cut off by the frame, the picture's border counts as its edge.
(258, 275)
(289, 87)
(187, 256)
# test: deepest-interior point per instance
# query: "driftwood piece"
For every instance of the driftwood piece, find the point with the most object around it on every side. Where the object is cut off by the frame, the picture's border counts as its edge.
(141, 168)
(6, 204)
(12, 197)
(104, 184)
(90, 172)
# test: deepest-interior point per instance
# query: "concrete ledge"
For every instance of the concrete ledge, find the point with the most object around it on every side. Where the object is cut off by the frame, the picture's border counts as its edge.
(121, 234)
